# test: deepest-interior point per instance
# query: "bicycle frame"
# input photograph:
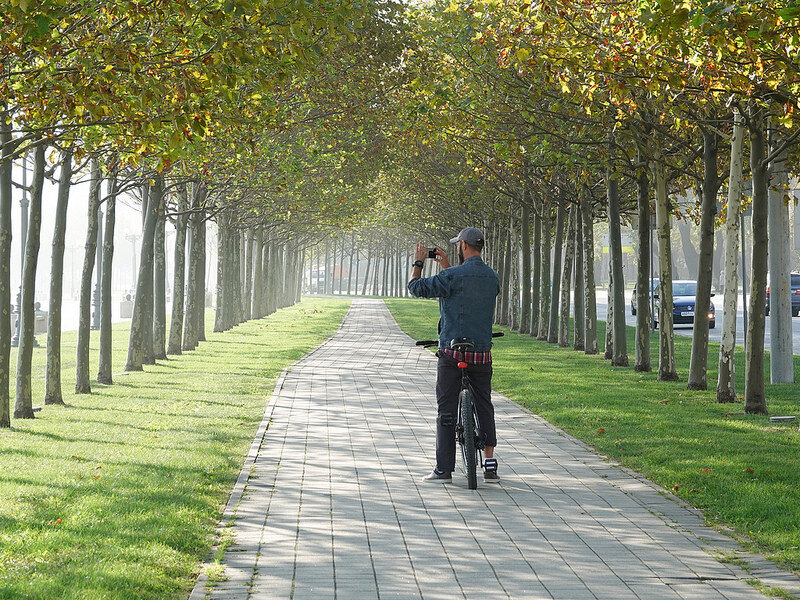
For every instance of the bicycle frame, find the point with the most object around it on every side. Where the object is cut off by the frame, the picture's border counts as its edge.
(468, 430)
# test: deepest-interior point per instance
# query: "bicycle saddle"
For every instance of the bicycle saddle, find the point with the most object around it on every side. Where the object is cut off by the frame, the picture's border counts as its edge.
(461, 344)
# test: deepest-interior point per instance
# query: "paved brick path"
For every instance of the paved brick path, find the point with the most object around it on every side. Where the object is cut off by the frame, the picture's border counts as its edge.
(329, 503)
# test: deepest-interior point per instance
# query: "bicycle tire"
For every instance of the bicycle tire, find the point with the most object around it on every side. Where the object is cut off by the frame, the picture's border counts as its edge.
(468, 451)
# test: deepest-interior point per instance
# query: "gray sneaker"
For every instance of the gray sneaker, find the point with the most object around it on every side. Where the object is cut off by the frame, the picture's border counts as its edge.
(437, 477)
(490, 471)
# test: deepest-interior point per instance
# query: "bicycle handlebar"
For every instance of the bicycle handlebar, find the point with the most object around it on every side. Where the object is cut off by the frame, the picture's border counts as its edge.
(427, 343)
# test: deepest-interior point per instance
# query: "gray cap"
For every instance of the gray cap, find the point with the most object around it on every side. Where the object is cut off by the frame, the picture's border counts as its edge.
(471, 235)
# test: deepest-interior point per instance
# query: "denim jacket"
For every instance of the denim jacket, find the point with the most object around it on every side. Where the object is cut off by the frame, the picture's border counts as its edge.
(466, 295)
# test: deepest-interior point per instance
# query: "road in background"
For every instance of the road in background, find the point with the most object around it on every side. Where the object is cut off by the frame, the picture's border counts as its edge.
(715, 335)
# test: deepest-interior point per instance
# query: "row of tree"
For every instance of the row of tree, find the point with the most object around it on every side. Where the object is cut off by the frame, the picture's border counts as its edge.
(289, 123)
(611, 111)
(199, 108)
(271, 281)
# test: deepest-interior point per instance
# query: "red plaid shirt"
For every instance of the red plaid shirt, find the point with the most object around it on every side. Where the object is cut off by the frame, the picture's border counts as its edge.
(469, 356)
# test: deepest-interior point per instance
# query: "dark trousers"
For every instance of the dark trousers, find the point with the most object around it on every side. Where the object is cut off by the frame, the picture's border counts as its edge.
(448, 385)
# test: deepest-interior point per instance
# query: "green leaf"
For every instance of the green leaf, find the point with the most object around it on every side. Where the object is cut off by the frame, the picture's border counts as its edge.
(789, 13)
(42, 24)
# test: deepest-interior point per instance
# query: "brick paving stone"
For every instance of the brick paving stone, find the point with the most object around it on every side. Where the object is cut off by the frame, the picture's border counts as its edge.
(330, 503)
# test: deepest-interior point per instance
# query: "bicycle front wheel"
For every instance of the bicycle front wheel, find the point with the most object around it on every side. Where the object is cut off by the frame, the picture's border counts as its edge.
(468, 451)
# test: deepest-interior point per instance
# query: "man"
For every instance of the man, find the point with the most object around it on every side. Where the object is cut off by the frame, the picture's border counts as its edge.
(466, 295)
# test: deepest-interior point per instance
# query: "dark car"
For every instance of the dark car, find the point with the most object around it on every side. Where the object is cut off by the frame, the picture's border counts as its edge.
(795, 295)
(653, 286)
(683, 300)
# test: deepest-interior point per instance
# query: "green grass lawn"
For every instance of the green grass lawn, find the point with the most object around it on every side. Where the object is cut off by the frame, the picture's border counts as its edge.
(741, 470)
(118, 493)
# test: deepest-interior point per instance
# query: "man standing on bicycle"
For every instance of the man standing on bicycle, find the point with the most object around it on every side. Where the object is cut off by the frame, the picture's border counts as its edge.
(466, 295)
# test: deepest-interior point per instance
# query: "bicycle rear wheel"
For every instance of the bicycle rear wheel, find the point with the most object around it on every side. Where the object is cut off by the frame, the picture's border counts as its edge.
(468, 451)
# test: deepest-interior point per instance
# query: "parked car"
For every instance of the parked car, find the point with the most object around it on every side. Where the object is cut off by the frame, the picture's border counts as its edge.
(795, 291)
(684, 292)
(653, 286)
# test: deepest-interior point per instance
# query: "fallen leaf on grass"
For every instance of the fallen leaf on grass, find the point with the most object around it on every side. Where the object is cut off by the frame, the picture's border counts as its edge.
(706, 470)
(676, 487)
(601, 431)
(664, 401)
(748, 470)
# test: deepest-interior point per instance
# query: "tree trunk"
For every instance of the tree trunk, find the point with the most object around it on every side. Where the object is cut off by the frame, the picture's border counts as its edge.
(719, 257)
(544, 249)
(6, 165)
(620, 357)
(501, 314)
(698, 364)
(525, 234)
(82, 384)
(248, 238)
(104, 369)
(266, 261)
(385, 273)
(608, 353)
(578, 321)
(558, 249)
(350, 270)
(178, 277)
(590, 321)
(194, 304)
(754, 384)
(366, 273)
(781, 356)
(222, 250)
(566, 282)
(235, 280)
(258, 273)
(23, 407)
(140, 323)
(377, 269)
(643, 363)
(200, 313)
(357, 252)
(160, 288)
(330, 267)
(98, 267)
(155, 203)
(536, 276)
(189, 341)
(513, 280)
(53, 394)
(666, 350)
(270, 254)
(726, 383)
(341, 264)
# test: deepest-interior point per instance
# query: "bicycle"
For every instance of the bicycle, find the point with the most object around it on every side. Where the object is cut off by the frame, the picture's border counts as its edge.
(468, 427)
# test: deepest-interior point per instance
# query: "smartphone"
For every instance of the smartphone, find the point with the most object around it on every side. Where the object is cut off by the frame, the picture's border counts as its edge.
(431, 252)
